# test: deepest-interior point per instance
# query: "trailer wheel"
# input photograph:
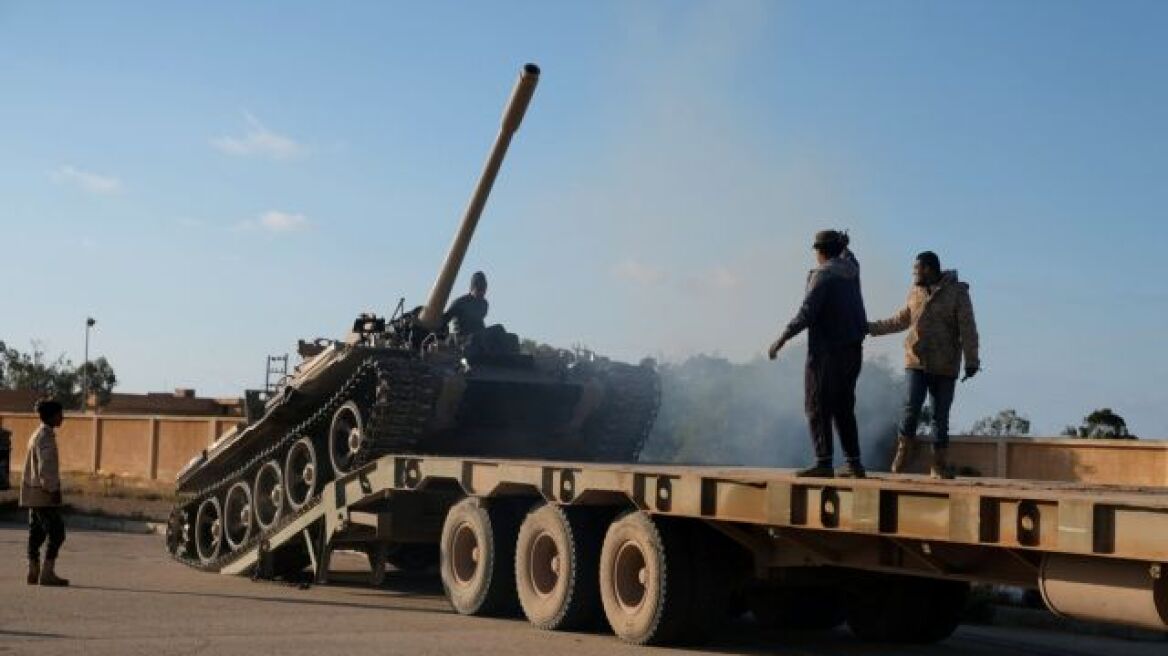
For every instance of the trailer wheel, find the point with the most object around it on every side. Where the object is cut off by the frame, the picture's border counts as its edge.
(947, 600)
(412, 557)
(905, 609)
(798, 608)
(477, 558)
(556, 560)
(646, 579)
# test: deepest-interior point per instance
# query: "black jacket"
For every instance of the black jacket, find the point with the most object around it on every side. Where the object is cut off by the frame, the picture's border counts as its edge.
(833, 308)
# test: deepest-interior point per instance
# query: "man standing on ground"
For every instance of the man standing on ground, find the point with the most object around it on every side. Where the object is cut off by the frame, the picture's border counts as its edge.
(833, 315)
(40, 492)
(941, 330)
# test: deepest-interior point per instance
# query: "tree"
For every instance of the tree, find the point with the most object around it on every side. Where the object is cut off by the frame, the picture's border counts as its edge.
(57, 378)
(1006, 423)
(1102, 424)
(33, 371)
(100, 378)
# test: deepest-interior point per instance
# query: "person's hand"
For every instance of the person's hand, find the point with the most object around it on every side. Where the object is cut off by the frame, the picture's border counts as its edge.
(970, 372)
(773, 351)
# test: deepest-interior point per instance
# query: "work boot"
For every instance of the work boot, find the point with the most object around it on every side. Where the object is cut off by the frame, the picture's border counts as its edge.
(820, 470)
(940, 467)
(904, 451)
(34, 571)
(851, 470)
(49, 577)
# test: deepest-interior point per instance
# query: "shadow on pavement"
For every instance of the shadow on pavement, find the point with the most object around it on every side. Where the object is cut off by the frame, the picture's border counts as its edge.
(331, 603)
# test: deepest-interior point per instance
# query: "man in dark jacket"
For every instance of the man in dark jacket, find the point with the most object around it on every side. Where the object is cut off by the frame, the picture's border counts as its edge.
(467, 314)
(833, 315)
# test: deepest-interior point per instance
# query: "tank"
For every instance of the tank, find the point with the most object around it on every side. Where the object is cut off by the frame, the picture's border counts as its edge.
(402, 384)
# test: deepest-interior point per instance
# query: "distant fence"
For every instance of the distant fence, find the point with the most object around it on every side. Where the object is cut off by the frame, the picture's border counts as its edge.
(139, 446)
(157, 447)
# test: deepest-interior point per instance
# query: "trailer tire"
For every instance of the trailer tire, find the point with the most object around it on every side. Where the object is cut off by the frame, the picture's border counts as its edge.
(947, 600)
(412, 557)
(556, 559)
(646, 579)
(798, 608)
(477, 558)
(906, 609)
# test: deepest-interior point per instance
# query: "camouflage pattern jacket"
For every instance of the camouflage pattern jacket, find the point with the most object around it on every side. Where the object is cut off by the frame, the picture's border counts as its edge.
(941, 327)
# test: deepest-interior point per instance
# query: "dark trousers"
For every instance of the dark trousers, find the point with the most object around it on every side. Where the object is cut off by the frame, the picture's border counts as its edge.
(830, 398)
(45, 523)
(941, 389)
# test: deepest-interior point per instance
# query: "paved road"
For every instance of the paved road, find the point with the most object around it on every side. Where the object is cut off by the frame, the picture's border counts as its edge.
(129, 598)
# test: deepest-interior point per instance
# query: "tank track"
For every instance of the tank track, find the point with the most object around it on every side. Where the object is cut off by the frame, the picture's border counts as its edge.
(625, 418)
(397, 395)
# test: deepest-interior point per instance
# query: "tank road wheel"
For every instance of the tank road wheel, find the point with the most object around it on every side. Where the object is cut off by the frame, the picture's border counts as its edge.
(177, 532)
(238, 516)
(346, 438)
(646, 579)
(556, 558)
(209, 530)
(268, 495)
(301, 473)
(477, 560)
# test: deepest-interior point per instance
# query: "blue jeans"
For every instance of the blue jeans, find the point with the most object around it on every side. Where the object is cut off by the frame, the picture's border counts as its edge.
(941, 389)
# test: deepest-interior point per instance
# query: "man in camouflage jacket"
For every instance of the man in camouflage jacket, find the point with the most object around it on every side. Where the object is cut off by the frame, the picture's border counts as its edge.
(938, 316)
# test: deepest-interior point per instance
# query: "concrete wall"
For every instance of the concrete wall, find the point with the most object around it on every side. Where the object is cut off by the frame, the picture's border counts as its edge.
(150, 447)
(157, 447)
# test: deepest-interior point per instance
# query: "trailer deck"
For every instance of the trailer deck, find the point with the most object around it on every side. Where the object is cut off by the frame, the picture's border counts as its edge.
(1097, 552)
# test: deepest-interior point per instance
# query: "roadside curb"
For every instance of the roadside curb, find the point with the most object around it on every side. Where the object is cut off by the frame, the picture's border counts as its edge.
(115, 524)
(100, 523)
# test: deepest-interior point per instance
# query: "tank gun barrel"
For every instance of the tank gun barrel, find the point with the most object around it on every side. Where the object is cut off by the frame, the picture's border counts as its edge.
(431, 314)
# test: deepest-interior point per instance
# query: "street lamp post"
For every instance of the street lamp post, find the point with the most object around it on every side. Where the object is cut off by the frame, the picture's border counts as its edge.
(89, 322)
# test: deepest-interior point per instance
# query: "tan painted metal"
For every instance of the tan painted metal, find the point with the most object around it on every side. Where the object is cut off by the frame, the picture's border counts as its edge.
(1094, 548)
(1125, 592)
(512, 117)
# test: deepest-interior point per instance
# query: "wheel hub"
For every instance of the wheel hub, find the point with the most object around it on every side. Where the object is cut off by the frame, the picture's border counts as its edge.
(631, 577)
(544, 565)
(466, 554)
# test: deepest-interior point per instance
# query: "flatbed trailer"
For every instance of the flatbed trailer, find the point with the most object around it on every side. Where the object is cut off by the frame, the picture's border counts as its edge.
(664, 551)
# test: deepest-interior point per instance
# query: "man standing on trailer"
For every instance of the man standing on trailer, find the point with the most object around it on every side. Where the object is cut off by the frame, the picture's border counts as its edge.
(941, 330)
(833, 315)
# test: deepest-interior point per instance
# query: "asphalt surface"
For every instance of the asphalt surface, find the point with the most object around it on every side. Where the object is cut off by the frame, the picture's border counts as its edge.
(128, 597)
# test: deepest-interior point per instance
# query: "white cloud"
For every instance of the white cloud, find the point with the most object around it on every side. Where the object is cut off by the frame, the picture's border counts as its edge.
(276, 222)
(639, 272)
(720, 278)
(259, 140)
(94, 183)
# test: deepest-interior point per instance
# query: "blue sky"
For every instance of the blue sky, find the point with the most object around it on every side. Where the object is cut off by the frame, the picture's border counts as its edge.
(214, 181)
